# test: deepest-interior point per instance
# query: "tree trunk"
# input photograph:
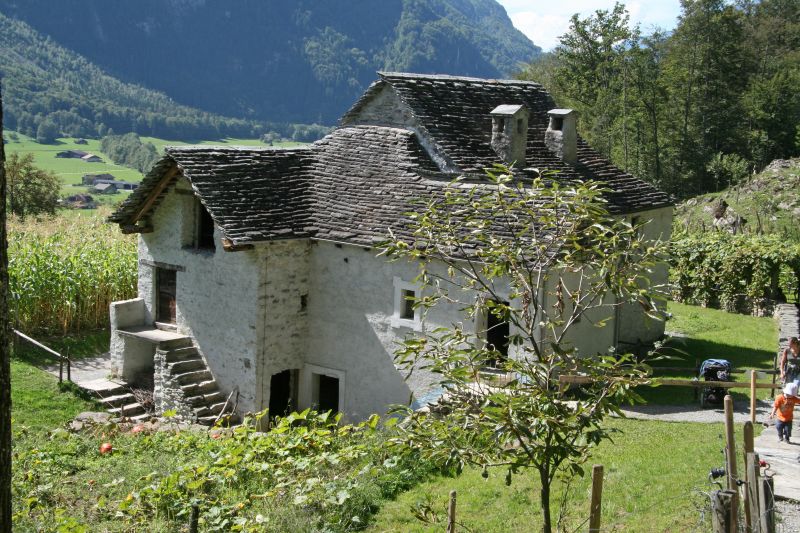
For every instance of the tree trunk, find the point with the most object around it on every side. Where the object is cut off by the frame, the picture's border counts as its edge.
(5, 360)
(544, 497)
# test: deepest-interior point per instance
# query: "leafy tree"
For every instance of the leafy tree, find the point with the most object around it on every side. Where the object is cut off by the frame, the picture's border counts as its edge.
(30, 190)
(541, 257)
(5, 357)
(47, 131)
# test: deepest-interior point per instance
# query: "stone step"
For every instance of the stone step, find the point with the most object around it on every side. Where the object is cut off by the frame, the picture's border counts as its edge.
(180, 354)
(204, 387)
(141, 418)
(173, 344)
(227, 420)
(128, 410)
(119, 399)
(194, 376)
(111, 391)
(187, 365)
(205, 399)
(210, 410)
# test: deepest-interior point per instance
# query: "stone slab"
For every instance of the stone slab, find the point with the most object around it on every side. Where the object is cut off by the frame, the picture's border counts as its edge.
(152, 334)
(784, 461)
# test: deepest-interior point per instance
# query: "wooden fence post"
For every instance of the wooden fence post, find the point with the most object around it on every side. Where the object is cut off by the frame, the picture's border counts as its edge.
(750, 477)
(597, 499)
(721, 503)
(730, 455)
(194, 519)
(451, 513)
(766, 498)
(753, 396)
(752, 500)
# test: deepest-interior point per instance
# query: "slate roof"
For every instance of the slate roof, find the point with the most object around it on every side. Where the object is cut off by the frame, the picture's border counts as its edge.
(454, 112)
(361, 179)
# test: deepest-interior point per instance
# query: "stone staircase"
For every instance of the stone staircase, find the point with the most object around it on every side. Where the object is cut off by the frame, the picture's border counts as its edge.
(186, 385)
(120, 402)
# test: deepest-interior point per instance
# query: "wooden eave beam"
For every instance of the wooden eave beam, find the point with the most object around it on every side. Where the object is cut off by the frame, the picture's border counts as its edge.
(168, 176)
(229, 246)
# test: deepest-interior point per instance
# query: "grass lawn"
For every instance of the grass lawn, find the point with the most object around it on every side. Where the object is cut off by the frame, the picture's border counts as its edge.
(654, 475)
(745, 341)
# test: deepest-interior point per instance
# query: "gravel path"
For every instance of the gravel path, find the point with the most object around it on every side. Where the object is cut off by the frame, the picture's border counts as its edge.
(693, 413)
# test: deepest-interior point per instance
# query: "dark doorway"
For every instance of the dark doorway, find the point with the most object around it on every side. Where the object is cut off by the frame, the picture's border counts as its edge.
(282, 387)
(327, 393)
(166, 289)
(497, 332)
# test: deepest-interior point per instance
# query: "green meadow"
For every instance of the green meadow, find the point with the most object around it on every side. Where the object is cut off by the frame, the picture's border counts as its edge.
(71, 170)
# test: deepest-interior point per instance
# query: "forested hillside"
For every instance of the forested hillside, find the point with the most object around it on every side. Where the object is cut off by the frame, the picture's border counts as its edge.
(49, 92)
(694, 111)
(278, 60)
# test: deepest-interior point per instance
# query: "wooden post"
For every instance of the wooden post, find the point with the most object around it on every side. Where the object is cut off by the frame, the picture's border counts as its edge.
(766, 497)
(752, 508)
(753, 396)
(451, 513)
(730, 455)
(194, 519)
(721, 504)
(597, 499)
(750, 503)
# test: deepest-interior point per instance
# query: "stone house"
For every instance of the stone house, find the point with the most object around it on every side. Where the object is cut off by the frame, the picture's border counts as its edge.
(258, 275)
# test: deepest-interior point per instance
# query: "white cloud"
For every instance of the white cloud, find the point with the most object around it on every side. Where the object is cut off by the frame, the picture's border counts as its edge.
(543, 22)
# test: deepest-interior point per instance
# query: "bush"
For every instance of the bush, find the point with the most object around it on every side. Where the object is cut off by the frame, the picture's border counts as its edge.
(737, 273)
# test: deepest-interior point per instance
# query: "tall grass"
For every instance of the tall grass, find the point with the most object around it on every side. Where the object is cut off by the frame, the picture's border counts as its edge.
(65, 271)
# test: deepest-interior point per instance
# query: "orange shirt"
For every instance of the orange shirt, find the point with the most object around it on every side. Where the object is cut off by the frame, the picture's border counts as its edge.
(785, 407)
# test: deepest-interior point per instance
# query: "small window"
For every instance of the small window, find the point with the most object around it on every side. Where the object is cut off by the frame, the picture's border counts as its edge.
(497, 334)
(501, 124)
(205, 229)
(404, 313)
(520, 126)
(407, 305)
(556, 123)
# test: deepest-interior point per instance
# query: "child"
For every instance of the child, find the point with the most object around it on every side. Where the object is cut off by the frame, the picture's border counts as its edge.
(784, 407)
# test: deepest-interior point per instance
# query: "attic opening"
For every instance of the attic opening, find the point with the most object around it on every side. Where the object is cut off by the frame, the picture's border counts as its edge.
(204, 234)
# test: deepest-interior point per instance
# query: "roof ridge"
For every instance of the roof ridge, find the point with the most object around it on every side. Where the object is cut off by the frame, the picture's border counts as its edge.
(233, 148)
(449, 77)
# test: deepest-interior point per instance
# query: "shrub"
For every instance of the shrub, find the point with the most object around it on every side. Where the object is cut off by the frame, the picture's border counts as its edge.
(737, 273)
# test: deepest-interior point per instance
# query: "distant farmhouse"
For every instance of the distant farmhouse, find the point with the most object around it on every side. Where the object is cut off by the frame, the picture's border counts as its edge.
(258, 272)
(104, 188)
(109, 179)
(79, 154)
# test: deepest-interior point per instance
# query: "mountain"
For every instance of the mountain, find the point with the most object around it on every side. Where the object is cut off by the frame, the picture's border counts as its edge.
(49, 91)
(279, 60)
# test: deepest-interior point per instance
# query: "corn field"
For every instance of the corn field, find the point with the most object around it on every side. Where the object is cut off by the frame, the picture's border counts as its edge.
(65, 271)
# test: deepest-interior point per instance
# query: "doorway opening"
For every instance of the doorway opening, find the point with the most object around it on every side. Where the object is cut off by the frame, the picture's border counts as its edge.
(166, 290)
(497, 333)
(283, 393)
(325, 393)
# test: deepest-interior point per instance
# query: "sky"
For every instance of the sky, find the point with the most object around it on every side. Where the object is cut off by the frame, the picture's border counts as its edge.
(543, 21)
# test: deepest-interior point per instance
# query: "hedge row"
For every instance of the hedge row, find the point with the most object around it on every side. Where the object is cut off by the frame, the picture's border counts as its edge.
(737, 273)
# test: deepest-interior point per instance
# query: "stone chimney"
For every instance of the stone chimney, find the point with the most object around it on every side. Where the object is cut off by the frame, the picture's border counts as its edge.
(510, 133)
(561, 136)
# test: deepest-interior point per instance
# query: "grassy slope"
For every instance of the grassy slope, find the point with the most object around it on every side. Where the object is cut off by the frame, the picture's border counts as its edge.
(769, 198)
(71, 170)
(746, 341)
(644, 488)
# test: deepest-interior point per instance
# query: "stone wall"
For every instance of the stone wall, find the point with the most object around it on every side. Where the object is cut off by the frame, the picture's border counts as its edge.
(217, 293)
(167, 392)
(788, 317)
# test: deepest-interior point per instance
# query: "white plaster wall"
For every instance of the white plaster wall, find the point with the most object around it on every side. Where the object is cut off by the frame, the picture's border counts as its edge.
(351, 303)
(217, 294)
(284, 323)
(634, 326)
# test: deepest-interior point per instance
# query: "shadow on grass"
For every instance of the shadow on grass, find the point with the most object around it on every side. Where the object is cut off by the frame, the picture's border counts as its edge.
(77, 346)
(689, 353)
